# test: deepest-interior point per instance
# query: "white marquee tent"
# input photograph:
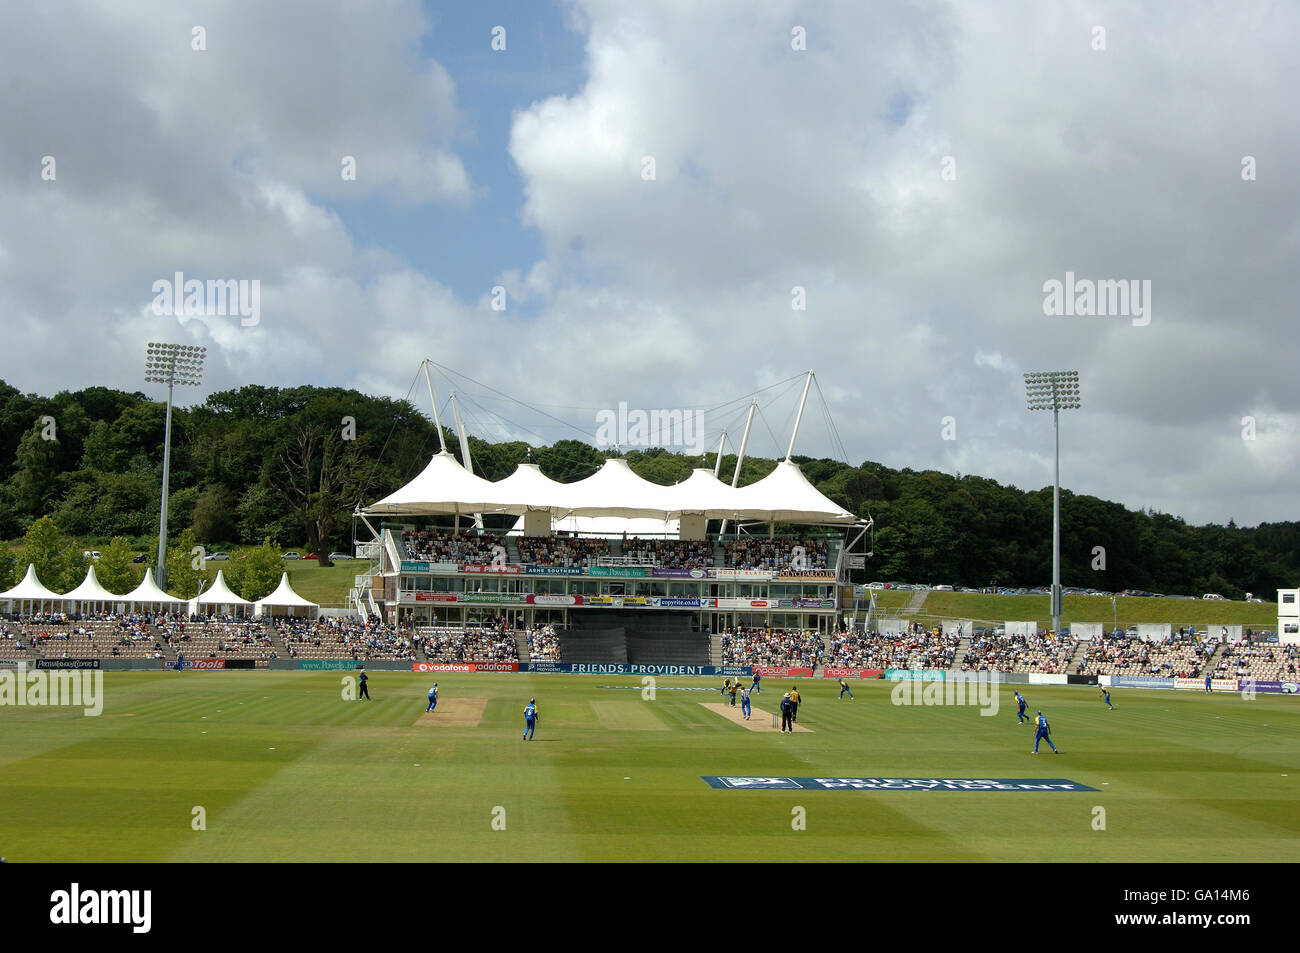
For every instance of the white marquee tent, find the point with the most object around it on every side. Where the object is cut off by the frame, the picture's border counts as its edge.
(220, 596)
(90, 592)
(285, 598)
(148, 593)
(31, 591)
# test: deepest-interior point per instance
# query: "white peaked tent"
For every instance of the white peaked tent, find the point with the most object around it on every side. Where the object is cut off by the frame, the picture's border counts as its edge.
(606, 527)
(528, 488)
(220, 596)
(31, 590)
(90, 592)
(786, 496)
(446, 488)
(285, 598)
(443, 487)
(148, 593)
(614, 490)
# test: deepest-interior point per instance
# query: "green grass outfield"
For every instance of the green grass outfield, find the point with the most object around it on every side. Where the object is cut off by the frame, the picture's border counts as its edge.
(288, 771)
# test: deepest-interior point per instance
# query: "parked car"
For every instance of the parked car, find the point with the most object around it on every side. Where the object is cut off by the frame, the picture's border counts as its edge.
(944, 589)
(140, 558)
(334, 556)
(91, 554)
(877, 585)
(292, 556)
(218, 556)
(1214, 596)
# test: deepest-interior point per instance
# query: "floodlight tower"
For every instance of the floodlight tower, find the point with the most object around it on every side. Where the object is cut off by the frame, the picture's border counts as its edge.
(1055, 391)
(170, 364)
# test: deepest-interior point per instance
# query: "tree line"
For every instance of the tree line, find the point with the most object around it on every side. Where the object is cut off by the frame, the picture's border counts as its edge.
(285, 467)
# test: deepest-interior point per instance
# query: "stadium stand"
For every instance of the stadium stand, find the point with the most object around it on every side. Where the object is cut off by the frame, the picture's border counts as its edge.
(1262, 662)
(1128, 655)
(1044, 653)
(754, 646)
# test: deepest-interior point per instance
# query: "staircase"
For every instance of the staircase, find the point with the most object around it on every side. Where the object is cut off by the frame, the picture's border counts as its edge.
(521, 643)
(1079, 648)
(512, 551)
(917, 601)
(277, 643)
(957, 660)
(715, 648)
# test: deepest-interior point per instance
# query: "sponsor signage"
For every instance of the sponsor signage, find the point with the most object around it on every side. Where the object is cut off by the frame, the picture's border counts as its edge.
(852, 672)
(603, 600)
(328, 665)
(810, 576)
(783, 671)
(923, 674)
(490, 598)
(552, 570)
(464, 666)
(747, 574)
(1040, 785)
(500, 568)
(67, 663)
(680, 573)
(805, 603)
(207, 664)
(541, 599)
(622, 668)
(430, 567)
(673, 602)
(1198, 684)
(621, 571)
(441, 667)
(1136, 681)
(1272, 688)
(746, 603)
(429, 596)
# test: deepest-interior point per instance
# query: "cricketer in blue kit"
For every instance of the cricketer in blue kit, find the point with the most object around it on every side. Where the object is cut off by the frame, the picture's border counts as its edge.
(1043, 733)
(530, 718)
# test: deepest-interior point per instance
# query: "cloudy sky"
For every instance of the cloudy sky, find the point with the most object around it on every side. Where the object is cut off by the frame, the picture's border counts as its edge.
(656, 188)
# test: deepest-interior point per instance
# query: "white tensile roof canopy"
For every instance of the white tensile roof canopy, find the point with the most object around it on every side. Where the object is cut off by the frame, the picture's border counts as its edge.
(220, 594)
(445, 487)
(90, 590)
(148, 592)
(284, 598)
(31, 589)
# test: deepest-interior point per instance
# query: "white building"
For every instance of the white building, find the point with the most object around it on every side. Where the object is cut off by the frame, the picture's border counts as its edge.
(1288, 616)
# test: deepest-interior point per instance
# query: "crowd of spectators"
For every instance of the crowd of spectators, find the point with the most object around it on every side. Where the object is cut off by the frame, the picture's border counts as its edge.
(1042, 652)
(561, 550)
(762, 646)
(334, 638)
(670, 553)
(918, 647)
(1123, 654)
(543, 643)
(1260, 662)
(427, 545)
(778, 555)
